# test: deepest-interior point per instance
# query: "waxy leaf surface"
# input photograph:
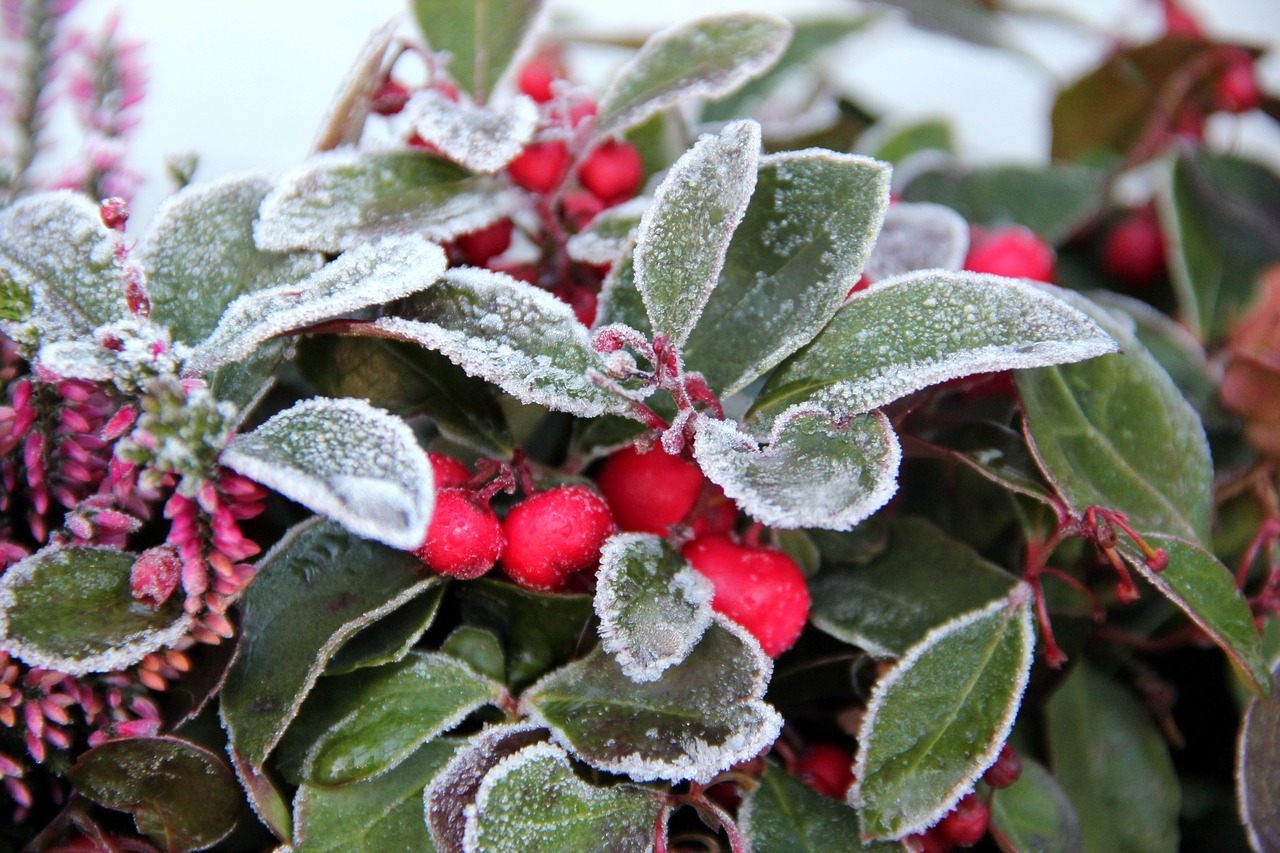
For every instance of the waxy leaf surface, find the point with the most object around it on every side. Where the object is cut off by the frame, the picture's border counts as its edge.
(1258, 768)
(391, 638)
(1034, 814)
(482, 37)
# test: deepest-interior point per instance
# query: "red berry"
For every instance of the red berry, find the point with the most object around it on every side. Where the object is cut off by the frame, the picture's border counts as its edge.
(649, 492)
(490, 241)
(390, 98)
(449, 473)
(761, 589)
(827, 769)
(966, 824)
(537, 76)
(1134, 250)
(579, 208)
(612, 172)
(929, 841)
(541, 166)
(528, 273)
(1005, 771)
(1015, 252)
(464, 539)
(720, 516)
(1237, 89)
(554, 534)
(583, 300)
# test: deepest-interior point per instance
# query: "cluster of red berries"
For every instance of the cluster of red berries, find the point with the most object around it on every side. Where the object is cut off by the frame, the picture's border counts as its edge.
(967, 823)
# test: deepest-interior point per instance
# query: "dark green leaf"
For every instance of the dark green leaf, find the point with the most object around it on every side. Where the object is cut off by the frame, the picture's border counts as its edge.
(245, 383)
(998, 453)
(182, 796)
(939, 718)
(390, 638)
(783, 815)
(481, 37)
(72, 610)
(1258, 768)
(264, 797)
(480, 648)
(620, 299)
(1034, 815)
(970, 20)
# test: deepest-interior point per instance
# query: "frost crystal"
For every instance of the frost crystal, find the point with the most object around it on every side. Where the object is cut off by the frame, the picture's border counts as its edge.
(918, 237)
(609, 234)
(482, 138)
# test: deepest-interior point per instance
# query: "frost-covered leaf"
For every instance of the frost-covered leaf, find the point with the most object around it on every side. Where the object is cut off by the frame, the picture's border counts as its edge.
(15, 298)
(395, 709)
(246, 383)
(939, 718)
(338, 200)
(999, 453)
(180, 795)
(481, 37)
(701, 717)
(314, 590)
(814, 469)
(407, 380)
(609, 234)
(1115, 432)
(1258, 768)
(391, 638)
(1113, 763)
(517, 336)
(79, 359)
(55, 252)
(1035, 814)
(907, 333)
(918, 237)
(921, 579)
(379, 814)
(483, 139)
(620, 299)
(347, 460)
(370, 274)
(199, 255)
(44, 600)
(706, 57)
(800, 248)
(685, 233)
(653, 607)
(783, 815)
(532, 802)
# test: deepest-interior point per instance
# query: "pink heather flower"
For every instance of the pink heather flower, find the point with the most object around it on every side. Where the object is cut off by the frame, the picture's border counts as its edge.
(155, 576)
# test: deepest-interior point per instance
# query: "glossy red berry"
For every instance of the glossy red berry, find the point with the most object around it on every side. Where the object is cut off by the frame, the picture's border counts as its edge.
(1015, 252)
(390, 98)
(449, 473)
(464, 539)
(966, 824)
(649, 492)
(540, 167)
(761, 589)
(537, 75)
(583, 300)
(488, 242)
(613, 172)
(1005, 771)
(1237, 89)
(827, 769)
(554, 534)
(1134, 249)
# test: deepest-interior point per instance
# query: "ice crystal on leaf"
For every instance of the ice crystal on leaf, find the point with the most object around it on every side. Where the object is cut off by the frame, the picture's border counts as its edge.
(482, 138)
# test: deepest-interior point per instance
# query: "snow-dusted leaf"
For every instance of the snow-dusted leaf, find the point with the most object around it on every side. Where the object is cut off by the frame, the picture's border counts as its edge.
(246, 383)
(481, 37)
(481, 138)
(517, 336)
(314, 590)
(706, 57)
(338, 200)
(391, 638)
(199, 255)
(700, 718)
(939, 718)
(533, 802)
(784, 814)
(921, 579)
(379, 814)
(44, 599)
(814, 470)
(620, 299)
(685, 233)
(345, 459)
(907, 333)
(653, 607)
(79, 359)
(181, 795)
(609, 234)
(15, 298)
(918, 237)
(370, 274)
(1035, 814)
(394, 709)
(799, 250)
(55, 251)
(1258, 768)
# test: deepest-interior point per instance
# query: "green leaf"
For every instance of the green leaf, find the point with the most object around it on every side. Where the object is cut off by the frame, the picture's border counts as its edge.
(245, 383)
(799, 250)
(397, 708)
(620, 299)
(706, 57)
(1222, 214)
(56, 255)
(15, 299)
(199, 255)
(343, 458)
(182, 796)
(481, 37)
(897, 144)
(1114, 432)
(609, 234)
(814, 470)
(264, 797)
(1053, 201)
(1034, 815)
(338, 200)
(72, 610)
(314, 590)
(939, 718)
(653, 607)
(532, 802)
(918, 236)
(383, 813)
(998, 453)
(923, 328)
(783, 815)
(685, 233)
(922, 579)
(519, 337)
(700, 718)
(1112, 762)
(391, 638)
(406, 379)
(1258, 768)
(480, 648)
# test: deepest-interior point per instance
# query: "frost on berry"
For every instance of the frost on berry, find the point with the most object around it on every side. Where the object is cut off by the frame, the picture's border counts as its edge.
(553, 534)
(918, 236)
(482, 138)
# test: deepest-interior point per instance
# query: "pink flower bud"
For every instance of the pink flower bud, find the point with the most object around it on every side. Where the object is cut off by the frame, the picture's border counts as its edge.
(155, 576)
